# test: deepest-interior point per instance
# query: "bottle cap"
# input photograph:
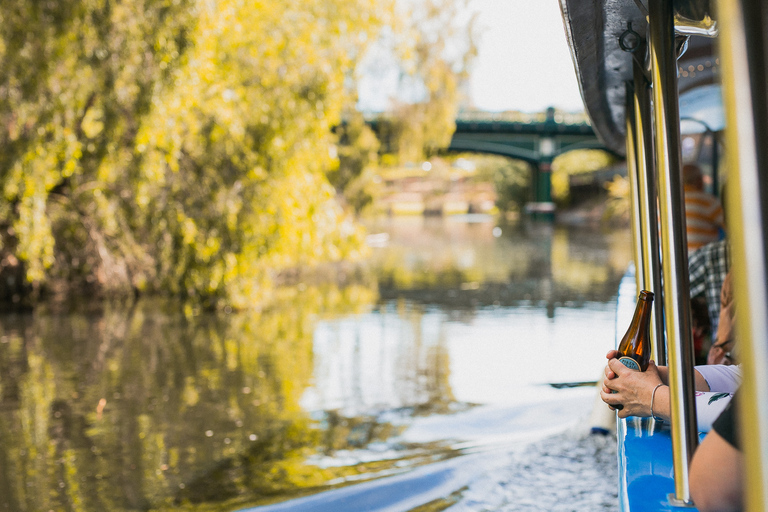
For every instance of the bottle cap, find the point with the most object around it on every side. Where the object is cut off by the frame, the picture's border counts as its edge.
(646, 295)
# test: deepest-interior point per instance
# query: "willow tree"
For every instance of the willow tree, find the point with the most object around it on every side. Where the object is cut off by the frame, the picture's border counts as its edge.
(76, 79)
(174, 145)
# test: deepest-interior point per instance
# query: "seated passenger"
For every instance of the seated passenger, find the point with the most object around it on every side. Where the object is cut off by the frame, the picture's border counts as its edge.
(716, 470)
(722, 350)
(707, 268)
(703, 212)
(701, 330)
(647, 393)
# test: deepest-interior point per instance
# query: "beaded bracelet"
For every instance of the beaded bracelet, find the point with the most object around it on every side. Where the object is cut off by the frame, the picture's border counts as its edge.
(653, 395)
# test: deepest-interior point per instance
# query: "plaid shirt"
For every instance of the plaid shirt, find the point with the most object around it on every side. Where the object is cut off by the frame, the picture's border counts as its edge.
(707, 268)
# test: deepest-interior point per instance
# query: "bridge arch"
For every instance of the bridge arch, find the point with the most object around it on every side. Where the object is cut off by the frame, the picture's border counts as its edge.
(536, 143)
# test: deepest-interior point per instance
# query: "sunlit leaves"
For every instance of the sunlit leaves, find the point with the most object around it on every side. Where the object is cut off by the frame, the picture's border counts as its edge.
(74, 82)
(618, 205)
(576, 162)
(436, 46)
(177, 146)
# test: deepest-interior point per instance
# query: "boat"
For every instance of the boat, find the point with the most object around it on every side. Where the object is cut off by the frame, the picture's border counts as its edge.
(655, 74)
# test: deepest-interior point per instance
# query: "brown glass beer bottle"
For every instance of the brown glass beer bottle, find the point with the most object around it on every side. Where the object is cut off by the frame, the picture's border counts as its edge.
(635, 346)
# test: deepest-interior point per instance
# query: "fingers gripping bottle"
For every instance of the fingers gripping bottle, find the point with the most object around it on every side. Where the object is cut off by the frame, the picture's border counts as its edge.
(635, 346)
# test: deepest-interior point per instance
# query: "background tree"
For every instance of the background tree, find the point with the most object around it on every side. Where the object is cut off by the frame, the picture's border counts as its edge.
(249, 121)
(358, 149)
(576, 162)
(511, 179)
(173, 146)
(75, 81)
(435, 47)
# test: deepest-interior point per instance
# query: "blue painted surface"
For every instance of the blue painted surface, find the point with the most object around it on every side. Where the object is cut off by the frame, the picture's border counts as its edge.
(646, 474)
(392, 494)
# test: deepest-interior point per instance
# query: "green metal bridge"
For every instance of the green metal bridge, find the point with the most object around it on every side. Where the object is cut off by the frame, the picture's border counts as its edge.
(536, 141)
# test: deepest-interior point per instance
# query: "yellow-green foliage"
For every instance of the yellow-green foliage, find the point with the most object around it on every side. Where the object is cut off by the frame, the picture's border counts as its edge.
(436, 51)
(175, 145)
(511, 179)
(358, 149)
(576, 162)
(618, 206)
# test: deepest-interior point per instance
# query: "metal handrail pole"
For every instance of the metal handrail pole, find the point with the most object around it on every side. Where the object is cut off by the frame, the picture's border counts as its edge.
(715, 165)
(633, 171)
(673, 244)
(743, 44)
(648, 206)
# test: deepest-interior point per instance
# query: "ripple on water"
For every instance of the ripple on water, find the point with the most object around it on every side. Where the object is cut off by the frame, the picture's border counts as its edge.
(569, 472)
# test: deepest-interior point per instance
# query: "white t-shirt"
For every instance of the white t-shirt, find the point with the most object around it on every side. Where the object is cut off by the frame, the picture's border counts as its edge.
(723, 382)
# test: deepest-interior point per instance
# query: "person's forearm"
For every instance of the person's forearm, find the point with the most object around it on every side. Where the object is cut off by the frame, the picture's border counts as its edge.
(664, 374)
(660, 404)
(699, 382)
(708, 407)
(716, 475)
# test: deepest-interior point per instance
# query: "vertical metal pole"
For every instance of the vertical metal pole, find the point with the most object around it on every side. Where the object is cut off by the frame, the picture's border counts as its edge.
(744, 47)
(677, 307)
(649, 213)
(715, 163)
(633, 170)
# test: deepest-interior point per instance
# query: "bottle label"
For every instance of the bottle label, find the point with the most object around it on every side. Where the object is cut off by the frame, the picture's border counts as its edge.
(630, 363)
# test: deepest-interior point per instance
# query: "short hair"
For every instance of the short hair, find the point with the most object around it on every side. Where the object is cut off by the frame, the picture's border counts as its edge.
(691, 174)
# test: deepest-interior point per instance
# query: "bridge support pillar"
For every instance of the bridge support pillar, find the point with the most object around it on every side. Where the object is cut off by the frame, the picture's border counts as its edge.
(542, 207)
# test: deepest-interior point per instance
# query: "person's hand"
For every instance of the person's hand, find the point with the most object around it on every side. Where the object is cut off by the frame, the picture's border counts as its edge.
(718, 353)
(629, 388)
(612, 354)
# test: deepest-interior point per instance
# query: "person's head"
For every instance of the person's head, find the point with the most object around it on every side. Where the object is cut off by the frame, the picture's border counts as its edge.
(692, 176)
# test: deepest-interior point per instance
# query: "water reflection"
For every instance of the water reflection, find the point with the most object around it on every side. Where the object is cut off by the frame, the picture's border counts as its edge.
(392, 357)
(456, 263)
(130, 410)
(144, 408)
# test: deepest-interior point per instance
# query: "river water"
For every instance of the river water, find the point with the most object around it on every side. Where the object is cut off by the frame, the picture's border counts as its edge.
(422, 381)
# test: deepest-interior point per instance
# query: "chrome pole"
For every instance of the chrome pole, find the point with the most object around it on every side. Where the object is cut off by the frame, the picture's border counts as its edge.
(677, 308)
(649, 213)
(744, 46)
(633, 170)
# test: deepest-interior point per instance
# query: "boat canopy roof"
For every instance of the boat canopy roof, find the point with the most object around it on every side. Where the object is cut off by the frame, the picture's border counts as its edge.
(602, 34)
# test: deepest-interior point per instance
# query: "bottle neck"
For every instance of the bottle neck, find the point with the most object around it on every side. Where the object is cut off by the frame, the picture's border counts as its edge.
(642, 312)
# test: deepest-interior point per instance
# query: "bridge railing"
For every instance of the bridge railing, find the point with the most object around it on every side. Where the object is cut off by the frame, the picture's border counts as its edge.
(522, 117)
(480, 116)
